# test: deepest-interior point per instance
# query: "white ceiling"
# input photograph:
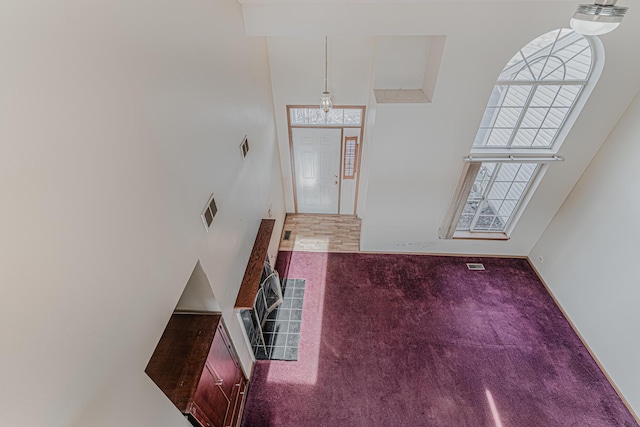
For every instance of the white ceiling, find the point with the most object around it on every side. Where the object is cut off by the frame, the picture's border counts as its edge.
(413, 153)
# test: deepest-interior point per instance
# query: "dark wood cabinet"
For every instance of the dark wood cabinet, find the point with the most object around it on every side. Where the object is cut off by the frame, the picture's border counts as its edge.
(196, 366)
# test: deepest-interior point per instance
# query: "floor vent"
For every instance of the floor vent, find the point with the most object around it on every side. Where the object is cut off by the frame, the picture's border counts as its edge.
(287, 235)
(475, 266)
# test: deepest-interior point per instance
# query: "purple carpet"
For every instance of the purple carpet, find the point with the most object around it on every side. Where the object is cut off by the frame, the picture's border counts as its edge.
(414, 340)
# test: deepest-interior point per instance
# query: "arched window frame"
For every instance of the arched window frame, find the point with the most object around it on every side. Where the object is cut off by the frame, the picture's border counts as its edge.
(530, 97)
(467, 197)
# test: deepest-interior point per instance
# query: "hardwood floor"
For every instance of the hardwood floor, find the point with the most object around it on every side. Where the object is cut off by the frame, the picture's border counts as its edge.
(321, 233)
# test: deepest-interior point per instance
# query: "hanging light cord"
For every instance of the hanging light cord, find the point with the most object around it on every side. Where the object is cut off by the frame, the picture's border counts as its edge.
(325, 102)
(326, 61)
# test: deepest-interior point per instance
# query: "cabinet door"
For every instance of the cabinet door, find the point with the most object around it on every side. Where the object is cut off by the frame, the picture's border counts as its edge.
(238, 402)
(210, 399)
(196, 413)
(222, 362)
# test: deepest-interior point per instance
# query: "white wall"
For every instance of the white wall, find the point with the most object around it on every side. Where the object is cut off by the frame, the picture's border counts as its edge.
(418, 149)
(590, 252)
(118, 119)
(401, 62)
(413, 154)
(197, 294)
(297, 78)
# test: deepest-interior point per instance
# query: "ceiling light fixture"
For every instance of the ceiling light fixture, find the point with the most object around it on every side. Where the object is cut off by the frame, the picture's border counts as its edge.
(599, 18)
(325, 102)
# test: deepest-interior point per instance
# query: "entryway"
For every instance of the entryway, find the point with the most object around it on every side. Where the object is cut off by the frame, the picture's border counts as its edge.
(325, 156)
(321, 233)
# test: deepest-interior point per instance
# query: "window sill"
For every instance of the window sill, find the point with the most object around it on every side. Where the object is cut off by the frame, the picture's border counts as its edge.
(469, 235)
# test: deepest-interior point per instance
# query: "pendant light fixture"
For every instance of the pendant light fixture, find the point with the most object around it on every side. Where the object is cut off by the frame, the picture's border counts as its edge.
(599, 18)
(325, 102)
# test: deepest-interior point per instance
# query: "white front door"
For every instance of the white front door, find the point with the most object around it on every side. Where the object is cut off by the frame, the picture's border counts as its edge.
(316, 154)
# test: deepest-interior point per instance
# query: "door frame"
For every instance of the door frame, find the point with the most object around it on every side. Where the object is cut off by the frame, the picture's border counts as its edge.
(342, 128)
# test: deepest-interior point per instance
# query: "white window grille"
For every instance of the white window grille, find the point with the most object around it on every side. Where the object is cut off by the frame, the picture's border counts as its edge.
(496, 193)
(536, 92)
(317, 117)
(350, 156)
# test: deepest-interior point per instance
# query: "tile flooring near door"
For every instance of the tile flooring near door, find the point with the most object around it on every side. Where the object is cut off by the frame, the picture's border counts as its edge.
(321, 233)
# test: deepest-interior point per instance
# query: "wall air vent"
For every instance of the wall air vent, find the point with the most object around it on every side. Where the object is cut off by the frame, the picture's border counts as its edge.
(475, 266)
(244, 147)
(209, 212)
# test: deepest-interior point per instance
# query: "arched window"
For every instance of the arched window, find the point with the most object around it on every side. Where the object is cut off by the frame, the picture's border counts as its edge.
(534, 100)
(536, 91)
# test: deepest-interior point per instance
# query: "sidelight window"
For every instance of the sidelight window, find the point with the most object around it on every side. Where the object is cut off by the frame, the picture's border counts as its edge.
(350, 157)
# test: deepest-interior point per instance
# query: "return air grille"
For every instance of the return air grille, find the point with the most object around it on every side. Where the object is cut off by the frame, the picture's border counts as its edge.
(209, 212)
(475, 266)
(244, 147)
